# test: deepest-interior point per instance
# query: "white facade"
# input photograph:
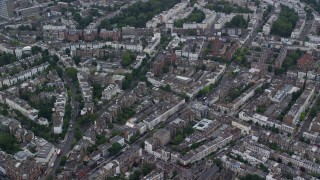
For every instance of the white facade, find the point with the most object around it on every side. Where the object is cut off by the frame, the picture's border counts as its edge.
(24, 108)
(152, 123)
(57, 129)
(110, 91)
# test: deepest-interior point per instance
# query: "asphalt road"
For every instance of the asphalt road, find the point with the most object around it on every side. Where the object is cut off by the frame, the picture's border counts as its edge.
(306, 123)
(66, 145)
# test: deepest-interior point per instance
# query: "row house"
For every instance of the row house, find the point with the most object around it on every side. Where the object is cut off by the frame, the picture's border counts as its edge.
(22, 106)
(125, 46)
(15, 128)
(129, 158)
(25, 170)
(298, 162)
(163, 59)
(265, 121)
(110, 169)
(114, 35)
(86, 91)
(158, 116)
(300, 106)
(250, 156)
(246, 95)
(24, 75)
(281, 56)
(204, 150)
(110, 91)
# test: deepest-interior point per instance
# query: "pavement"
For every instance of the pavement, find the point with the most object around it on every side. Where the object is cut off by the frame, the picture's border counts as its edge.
(66, 145)
(306, 123)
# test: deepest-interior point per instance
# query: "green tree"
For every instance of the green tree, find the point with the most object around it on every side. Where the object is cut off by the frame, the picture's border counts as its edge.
(237, 22)
(35, 50)
(63, 160)
(97, 90)
(285, 23)
(8, 143)
(72, 73)
(77, 59)
(167, 88)
(115, 148)
(251, 177)
(127, 58)
(77, 134)
(146, 169)
(67, 51)
(302, 116)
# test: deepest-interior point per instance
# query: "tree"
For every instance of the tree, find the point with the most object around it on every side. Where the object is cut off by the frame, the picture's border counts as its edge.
(269, 68)
(167, 88)
(146, 169)
(218, 162)
(251, 177)
(77, 60)
(39, 38)
(7, 58)
(67, 51)
(77, 134)
(302, 116)
(177, 140)
(94, 63)
(165, 69)
(127, 58)
(5, 112)
(196, 16)
(138, 13)
(237, 22)
(263, 168)
(97, 90)
(286, 22)
(8, 143)
(101, 139)
(135, 175)
(115, 148)
(313, 112)
(111, 126)
(35, 50)
(63, 160)
(72, 73)
(125, 84)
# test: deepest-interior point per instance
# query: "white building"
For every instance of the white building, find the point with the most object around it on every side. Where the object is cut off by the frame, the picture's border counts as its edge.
(23, 107)
(45, 154)
(110, 91)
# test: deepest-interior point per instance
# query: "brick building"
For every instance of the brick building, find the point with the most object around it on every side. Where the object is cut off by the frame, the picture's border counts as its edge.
(304, 63)
(162, 60)
(114, 35)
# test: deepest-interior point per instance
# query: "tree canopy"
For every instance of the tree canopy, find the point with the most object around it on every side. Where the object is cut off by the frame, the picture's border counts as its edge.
(315, 4)
(7, 58)
(127, 58)
(237, 22)
(286, 22)
(72, 73)
(115, 148)
(8, 143)
(251, 177)
(82, 21)
(196, 16)
(226, 7)
(138, 14)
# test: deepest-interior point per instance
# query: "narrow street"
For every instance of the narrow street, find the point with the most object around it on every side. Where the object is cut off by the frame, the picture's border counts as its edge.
(70, 134)
(306, 123)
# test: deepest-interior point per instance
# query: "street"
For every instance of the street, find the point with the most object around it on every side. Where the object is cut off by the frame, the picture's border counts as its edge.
(65, 146)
